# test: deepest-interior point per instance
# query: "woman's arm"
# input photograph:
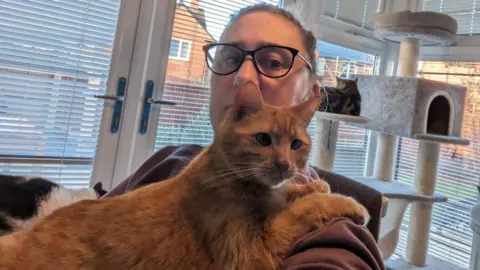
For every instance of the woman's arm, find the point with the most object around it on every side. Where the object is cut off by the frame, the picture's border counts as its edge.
(341, 245)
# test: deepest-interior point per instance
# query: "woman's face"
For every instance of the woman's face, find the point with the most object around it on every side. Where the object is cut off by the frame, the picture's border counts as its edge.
(249, 32)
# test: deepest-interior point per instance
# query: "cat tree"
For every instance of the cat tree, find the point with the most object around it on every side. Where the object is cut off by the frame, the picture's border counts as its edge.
(404, 105)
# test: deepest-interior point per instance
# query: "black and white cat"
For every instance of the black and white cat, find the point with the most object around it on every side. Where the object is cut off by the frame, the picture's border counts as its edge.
(23, 200)
(344, 98)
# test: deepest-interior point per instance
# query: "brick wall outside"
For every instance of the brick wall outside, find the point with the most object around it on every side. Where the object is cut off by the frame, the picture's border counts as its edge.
(186, 27)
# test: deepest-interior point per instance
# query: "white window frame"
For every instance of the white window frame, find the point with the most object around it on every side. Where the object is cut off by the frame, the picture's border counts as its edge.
(342, 33)
(465, 49)
(180, 42)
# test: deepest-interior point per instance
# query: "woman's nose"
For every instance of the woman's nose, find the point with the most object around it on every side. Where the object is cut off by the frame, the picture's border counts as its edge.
(246, 72)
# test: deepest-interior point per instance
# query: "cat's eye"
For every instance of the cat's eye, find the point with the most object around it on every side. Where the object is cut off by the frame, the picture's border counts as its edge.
(263, 139)
(296, 144)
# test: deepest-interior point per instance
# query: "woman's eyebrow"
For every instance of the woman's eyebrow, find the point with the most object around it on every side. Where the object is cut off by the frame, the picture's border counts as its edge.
(243, 45)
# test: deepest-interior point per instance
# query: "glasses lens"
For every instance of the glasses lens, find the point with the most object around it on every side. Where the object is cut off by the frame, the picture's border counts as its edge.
(274, 61)
(224, 59)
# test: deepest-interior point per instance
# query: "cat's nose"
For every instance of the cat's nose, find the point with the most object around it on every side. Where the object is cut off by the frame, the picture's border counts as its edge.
(282, 168)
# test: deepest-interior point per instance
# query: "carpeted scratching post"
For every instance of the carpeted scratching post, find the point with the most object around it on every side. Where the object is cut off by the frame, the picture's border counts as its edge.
(421, 215)
(385, 156)
(326, 136)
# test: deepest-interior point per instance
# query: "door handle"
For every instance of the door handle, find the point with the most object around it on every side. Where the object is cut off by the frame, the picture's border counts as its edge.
(149, 86)
(117, 109)
(160, 101)
(109, 97)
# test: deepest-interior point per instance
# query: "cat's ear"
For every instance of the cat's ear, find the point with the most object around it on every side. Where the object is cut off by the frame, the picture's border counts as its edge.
(341, 83)
(306, 110)
(98, 187)
(356, 80)
(248, 99)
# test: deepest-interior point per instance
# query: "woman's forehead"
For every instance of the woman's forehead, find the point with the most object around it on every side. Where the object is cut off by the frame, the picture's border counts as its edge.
(261, 28)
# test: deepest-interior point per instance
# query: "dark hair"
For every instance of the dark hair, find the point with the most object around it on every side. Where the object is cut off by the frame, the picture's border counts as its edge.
(309, 40)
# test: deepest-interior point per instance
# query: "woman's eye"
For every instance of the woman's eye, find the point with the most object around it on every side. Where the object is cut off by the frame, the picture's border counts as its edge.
(296, 144)
(272, 62)
(263, 139)
(232, 60)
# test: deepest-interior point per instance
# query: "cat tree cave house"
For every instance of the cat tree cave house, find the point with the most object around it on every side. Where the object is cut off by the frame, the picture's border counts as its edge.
(413, 107)
(404, 105)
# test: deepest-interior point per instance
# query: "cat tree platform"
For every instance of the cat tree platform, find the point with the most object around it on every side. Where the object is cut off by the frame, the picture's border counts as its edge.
(430, 28)
(399, 190)
(442, 139)
(341, 117)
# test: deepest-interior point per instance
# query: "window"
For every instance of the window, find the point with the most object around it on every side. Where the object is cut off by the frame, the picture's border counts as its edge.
(458, 169)
(180, 49)
(466, 12)
(359, 13)
(352, 143)
(55, 58)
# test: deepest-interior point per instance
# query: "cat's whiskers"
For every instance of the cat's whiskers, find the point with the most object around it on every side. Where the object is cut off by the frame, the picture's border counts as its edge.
(239, 173)
(250, 165)
(229, 170)
(226, 180)
(223, 172)
(243, 174)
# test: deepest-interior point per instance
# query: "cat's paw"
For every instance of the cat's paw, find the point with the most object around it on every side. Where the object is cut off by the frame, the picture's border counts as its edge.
(318, 208)
(294, 191)
(355, 211)
(318, 185)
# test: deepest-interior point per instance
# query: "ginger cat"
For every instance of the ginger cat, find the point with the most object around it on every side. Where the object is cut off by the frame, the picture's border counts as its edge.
(231, 208)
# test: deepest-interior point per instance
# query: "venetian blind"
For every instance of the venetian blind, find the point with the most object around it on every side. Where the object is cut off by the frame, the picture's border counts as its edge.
(54, 56)
(458, 170)
(466, 12)
(357, 12)
(352, 143)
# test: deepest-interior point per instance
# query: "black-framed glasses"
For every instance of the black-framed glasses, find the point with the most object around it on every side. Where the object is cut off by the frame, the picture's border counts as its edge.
(272, 61)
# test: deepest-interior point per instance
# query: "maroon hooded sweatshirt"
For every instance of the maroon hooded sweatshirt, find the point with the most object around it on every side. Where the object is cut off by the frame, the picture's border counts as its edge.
(341, 245)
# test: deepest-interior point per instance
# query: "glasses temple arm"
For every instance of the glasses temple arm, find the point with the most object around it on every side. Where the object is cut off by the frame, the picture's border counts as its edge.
(306, 61)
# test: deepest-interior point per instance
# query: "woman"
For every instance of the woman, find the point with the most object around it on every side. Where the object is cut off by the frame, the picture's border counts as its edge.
(266, 45)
